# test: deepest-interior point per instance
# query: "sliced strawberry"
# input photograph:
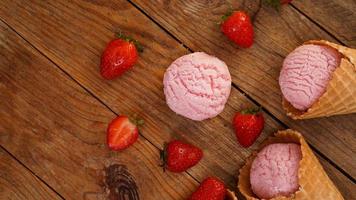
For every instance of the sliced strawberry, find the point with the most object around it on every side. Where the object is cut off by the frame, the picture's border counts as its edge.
(122, 133)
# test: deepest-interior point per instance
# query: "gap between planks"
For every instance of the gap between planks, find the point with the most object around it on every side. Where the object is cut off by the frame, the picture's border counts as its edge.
(33, 173)
(248, 96)
(317, 24)
(190, 50)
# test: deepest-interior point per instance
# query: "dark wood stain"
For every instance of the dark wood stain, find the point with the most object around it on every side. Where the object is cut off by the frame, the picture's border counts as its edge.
(121, 183)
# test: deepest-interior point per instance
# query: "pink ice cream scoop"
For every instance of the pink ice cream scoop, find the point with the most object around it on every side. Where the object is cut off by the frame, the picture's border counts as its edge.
(274, 172)
(197, 86)
(306, 73)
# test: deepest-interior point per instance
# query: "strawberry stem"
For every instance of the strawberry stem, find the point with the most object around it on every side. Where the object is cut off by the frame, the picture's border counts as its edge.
(226, 15)
(140, 122)
(130, 39)
(135, 120)
(251, 110)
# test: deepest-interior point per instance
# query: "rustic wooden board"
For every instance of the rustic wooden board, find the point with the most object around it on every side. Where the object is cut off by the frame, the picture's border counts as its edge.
(57, 130)
(337, 16)
(223, 156)
(16, 182)
(256, 70)
(79, 31)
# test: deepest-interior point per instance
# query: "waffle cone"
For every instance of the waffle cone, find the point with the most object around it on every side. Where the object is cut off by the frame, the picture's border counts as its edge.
(313, 180)
(340, 95)
(230, 195)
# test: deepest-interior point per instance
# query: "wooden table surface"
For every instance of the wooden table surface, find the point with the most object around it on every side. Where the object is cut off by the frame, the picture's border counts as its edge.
(55, 106)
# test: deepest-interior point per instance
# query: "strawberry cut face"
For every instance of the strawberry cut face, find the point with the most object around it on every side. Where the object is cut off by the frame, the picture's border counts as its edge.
(121, 133)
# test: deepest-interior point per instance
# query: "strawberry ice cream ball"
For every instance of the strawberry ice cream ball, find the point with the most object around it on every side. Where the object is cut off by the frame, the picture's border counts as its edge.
(306, 73)
(197, 86)
(274, 172)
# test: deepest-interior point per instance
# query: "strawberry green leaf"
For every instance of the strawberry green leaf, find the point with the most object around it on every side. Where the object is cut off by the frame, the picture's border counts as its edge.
(140, 122)
(251, 110)
(227, 14)
(136, 120)
(130, 39)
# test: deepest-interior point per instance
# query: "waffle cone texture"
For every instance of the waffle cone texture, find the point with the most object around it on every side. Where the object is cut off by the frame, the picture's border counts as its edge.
(230, 195)
(340, 95)
(314, 183)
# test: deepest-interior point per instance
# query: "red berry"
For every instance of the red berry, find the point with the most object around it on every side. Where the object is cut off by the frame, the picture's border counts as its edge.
(179, 156)
(122, 133)
(248, 126)
(238, 28)
(119, 56)
(210, 189)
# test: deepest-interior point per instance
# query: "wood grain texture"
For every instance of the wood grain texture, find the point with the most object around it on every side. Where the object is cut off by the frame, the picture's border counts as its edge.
(337, 16)
(58, 131)
(256, 70)
(17, 183)
(64, 21)
(345, 185)
(76, 33)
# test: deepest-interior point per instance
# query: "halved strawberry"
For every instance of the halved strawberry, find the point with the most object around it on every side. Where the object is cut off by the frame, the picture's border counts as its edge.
(122, 132)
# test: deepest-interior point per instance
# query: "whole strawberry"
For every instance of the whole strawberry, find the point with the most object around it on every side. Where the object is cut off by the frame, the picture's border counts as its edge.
(248, 126)
(119, 56)
(178, 156)
(210, 189)
(122, 132)
(237, 27)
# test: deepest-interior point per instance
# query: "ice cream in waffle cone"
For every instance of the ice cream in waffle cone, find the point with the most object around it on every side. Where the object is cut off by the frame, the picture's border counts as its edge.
(340, 94)
(313, 181)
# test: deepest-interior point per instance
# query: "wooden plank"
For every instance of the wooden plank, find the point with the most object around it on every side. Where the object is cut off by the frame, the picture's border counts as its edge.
(256, 70)
(223, 156)
(96, 22)
(337, 16)
(16, 182)
(57, 130)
